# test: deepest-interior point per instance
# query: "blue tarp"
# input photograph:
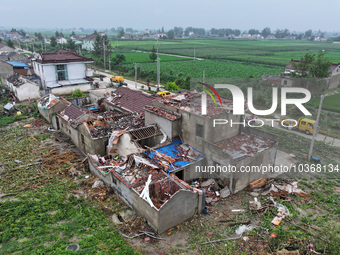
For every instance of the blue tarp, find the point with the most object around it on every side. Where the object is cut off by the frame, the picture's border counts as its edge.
(171, 150)
(17, 64)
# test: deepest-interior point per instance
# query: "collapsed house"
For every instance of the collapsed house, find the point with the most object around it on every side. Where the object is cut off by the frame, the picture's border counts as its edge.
(199, 131)
(49, 106)
(143, 183)
(148, 149)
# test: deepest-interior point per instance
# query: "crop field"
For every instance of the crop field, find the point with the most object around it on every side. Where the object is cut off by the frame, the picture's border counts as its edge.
(272, 52)
(143, 57)
(330, 103)
(212, 68)
(230, 58)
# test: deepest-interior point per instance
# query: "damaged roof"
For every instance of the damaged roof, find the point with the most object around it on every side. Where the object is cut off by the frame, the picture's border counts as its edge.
(71, 112)
(170, 115)
(191, 101)
(244, 145)
(50, 100)
(103, 125)
(177, 154)
(131, 100)
(62, 56)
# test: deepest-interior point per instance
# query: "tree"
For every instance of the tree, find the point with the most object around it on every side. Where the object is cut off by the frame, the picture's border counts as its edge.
(253, 31)
(312, 66)
(57, 34)
(73, 33)
(22, 33)
(266, 31)
(71, 45)
(308, 33)
(171, 34)
(10, 43)
(53, 42)
(102, 44)
(120, 58)
(121, 33)
(153, 55)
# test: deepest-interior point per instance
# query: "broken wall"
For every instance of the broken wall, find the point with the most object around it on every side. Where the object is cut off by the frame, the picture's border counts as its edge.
(91, 145)
(170, 127)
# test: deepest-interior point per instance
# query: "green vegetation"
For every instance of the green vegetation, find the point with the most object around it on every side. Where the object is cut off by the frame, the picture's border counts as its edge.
(40, 213)
(77, 93)
(330, 103)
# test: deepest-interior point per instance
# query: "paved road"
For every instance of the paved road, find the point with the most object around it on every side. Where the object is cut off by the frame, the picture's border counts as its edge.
(319, 137)
(130, 84)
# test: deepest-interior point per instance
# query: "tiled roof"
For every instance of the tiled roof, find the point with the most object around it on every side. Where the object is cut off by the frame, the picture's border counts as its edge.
(132, 100)
(62, 56)
(90, 37)
(71, 112)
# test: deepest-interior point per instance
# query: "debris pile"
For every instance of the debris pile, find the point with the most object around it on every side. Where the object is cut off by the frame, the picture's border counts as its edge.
(164, 113)
(102, 126)
(244, 145)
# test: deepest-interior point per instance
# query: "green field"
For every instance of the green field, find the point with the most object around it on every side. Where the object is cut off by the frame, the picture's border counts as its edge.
(330, 103)
(272, 52)
(228, 58)
(143, 57)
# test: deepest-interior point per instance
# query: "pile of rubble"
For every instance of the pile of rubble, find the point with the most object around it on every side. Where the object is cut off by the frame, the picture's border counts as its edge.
(164, 113)
(214, 191)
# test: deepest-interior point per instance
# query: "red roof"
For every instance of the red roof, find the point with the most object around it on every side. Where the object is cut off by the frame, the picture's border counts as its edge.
(132, 100)
(62, 56)
(90, 37)
(72, 112)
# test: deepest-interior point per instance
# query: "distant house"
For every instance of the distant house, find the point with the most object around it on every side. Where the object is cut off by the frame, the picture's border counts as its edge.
(8, 68)
(246, 36)
(256, 36)
(272, 79)
(62, 72)
(47, 40)
(334, 69)
(13, 36)
(61, 40)
(88, 42)
(270, 37)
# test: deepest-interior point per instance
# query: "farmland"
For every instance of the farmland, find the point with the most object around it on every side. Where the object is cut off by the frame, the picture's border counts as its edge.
(330, 103)
(228, 58)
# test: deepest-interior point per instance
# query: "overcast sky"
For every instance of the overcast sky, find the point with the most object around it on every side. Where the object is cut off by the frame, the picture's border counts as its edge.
(298, 15)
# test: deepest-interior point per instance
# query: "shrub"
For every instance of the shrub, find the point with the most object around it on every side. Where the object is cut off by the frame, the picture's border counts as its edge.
(171, 86)
(77, 93)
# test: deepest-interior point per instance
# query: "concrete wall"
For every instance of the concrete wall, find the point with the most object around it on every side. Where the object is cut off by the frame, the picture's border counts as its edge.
(94, 146)
(170, 127)
(180, 207)
(334, 81)
(70, 89)
(25, 91)
(189, 121)
(71, 132)
(5, 69)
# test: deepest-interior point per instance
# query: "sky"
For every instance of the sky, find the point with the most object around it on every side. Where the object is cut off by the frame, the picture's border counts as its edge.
(296, 15)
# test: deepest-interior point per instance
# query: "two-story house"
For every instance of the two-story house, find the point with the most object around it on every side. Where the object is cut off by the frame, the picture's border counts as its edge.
(62, 72)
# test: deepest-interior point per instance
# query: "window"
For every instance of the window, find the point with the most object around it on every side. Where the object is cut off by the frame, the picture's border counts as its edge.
(284, 82)
(303, 123)
(199, 130)
(61, 72)
(82, 139)
(310, 125)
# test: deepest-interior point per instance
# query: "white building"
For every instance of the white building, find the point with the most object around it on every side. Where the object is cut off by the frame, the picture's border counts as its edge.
(62, 72)
(23, 88)
(88, 42)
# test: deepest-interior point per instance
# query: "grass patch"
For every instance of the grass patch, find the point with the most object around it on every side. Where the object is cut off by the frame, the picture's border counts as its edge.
(330, 103)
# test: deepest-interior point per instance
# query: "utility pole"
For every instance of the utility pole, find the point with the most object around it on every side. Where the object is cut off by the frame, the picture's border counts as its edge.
(33, 47)
(203, 76)
(42, 47)
(158, 69)
(135, 75)
(194, 52)
(110, 66)
(104, 54)
(316, 127)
